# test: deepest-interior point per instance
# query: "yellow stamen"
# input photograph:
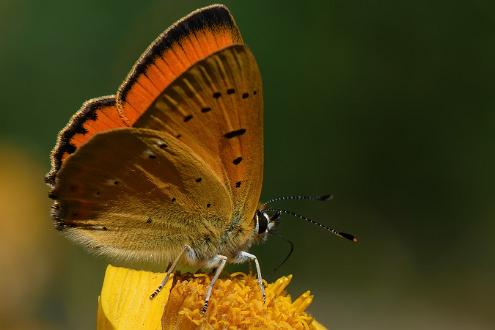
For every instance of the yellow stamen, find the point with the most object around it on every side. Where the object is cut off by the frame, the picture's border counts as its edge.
(236, 303)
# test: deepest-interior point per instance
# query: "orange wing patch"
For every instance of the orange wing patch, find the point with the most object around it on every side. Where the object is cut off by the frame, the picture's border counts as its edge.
(190, 40)
(95, 116)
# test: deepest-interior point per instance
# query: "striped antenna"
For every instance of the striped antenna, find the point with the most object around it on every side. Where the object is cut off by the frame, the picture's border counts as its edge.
(340, 234)
(320, 198)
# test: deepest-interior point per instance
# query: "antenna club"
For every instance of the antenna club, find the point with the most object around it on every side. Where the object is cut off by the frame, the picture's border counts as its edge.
(350, 237)
(325, 197)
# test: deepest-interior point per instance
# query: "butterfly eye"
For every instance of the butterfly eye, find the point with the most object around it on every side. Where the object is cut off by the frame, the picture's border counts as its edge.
(262, 223)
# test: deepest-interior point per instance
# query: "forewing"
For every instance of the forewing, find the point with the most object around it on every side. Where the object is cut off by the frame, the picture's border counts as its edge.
(216, 108)
(139, 194)
(189, 40)
(95, 116)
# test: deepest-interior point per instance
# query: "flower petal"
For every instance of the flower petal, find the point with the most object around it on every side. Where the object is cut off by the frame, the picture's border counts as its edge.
(124, 301)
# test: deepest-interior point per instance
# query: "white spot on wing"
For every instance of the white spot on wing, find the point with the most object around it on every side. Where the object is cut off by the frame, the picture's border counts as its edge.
(148, 154)
(112, 182)
(159, 143)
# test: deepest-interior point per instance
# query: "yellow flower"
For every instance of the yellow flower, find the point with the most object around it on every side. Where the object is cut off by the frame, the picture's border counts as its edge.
(235, 304)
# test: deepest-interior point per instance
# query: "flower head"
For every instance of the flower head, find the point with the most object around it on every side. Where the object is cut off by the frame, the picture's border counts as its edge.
(236, 303)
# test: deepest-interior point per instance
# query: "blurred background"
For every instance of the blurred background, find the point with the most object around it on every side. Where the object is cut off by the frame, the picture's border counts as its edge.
(388, 105)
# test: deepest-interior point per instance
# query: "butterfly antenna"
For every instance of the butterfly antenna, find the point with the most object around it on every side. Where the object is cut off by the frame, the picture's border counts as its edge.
(290, 251)
(340, 234)
(320, 198)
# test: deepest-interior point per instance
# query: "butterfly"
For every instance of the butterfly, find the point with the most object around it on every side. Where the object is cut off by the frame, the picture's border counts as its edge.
(170, 169)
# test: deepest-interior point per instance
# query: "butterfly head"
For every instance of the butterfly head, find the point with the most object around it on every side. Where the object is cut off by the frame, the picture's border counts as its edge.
(267, 217)
(265, 221)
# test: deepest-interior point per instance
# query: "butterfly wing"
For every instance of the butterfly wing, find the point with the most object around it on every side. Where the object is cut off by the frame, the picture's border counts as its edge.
(140, 194)
(194, 37)
(210, 114)
(216, 108)
(191, 39)
(95, 116)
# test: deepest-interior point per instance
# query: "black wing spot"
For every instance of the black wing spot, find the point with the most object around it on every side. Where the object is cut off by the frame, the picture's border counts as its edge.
(208, 205)
(152, 156)
(51, 195)
(205, 110)
(230, 91)
(116, 182)
(178, 136)
(149, 220)
(255, 92)
(237, 161)
(93, 115)
(97, 193)
(198, 180)
(235, 133)
(187, 118)
(174, 199)
(217, 95)
(70, 148)
(80, 130)
(238, 184)
(162, 145)
(245, 95)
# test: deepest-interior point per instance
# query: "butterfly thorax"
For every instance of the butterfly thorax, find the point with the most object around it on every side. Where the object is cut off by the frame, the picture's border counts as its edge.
(238, 237)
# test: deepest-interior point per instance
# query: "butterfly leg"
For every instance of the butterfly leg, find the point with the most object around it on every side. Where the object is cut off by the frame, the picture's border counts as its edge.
(169, 271)
(243, 256)
(221, 263)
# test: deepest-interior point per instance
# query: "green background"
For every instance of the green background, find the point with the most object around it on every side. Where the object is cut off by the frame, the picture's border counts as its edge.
(389, 105)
